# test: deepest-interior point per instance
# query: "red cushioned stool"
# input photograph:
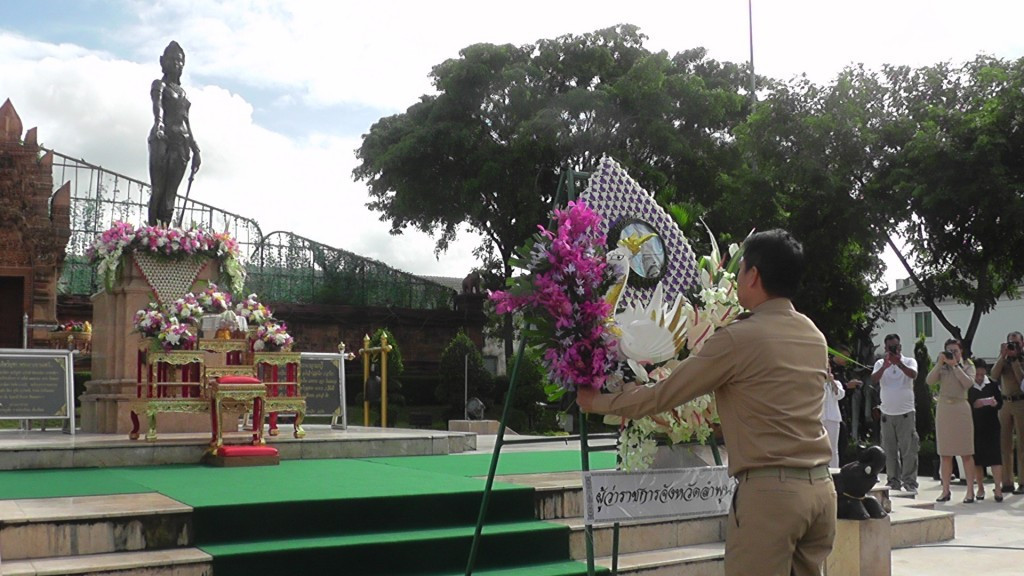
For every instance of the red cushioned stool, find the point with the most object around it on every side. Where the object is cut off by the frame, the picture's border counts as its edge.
(235, 390)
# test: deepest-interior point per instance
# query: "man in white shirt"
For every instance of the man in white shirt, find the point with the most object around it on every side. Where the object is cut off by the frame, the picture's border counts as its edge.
(895, 375)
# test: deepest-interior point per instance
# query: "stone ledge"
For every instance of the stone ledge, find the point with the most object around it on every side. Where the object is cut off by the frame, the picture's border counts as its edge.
(474, 426)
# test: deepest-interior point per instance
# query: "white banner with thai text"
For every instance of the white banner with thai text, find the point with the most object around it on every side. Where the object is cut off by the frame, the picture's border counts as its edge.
(613, 496)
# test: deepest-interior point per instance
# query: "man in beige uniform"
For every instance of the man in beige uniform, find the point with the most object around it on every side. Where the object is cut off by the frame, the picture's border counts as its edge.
(1009, 372)
(767, 372)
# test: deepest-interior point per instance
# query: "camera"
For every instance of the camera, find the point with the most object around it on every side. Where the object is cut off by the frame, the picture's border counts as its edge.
(894, 349)
(1013, 346)
(947, 354)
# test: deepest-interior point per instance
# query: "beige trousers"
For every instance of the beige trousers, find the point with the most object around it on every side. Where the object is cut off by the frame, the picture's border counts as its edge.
(1011, 419)
(780, 526)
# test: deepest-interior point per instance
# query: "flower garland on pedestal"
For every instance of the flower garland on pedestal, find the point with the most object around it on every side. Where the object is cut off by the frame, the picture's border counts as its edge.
(122, 238)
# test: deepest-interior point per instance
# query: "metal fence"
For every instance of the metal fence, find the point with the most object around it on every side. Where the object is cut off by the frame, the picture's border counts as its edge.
(282, 266)
(297, 269)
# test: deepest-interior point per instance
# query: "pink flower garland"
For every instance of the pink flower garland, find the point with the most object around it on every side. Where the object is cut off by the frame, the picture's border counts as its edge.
(563, 297)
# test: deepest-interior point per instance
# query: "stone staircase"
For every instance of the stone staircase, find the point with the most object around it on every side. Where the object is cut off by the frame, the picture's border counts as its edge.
(141, 534)
(150, 534)
(696, 547)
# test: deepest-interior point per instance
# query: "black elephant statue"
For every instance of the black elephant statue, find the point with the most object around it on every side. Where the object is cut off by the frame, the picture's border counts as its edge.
(855, 481)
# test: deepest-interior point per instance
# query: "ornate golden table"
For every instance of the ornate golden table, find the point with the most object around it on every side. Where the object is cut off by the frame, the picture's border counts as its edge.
(168, 381)
(245, 397)
(281, 375)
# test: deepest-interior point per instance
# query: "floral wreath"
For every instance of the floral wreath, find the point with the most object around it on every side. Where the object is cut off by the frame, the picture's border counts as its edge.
(562, 298)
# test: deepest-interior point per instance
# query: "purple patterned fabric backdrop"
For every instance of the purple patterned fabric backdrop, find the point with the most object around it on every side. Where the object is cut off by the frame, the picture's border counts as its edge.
(613, 194)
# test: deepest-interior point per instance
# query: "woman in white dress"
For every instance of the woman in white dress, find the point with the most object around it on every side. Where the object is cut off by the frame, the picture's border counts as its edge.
(831, 417)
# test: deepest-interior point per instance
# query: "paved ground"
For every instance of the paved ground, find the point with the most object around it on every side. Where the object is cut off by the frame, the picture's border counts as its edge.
(989, 537)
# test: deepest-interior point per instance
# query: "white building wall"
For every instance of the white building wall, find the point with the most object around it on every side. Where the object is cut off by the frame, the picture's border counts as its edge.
(1006, 317)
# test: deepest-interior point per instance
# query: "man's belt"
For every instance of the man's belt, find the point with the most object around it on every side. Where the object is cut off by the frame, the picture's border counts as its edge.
(782, 472)
(1014, 397)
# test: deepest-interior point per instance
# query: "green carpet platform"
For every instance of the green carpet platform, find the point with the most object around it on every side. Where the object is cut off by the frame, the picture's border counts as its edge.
(395, 515)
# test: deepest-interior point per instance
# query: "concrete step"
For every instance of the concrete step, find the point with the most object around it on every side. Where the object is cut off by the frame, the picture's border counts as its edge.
(697, 560)
(176, 562)
(696, 547)
(54, 527)
(915, 525)
(645, 536)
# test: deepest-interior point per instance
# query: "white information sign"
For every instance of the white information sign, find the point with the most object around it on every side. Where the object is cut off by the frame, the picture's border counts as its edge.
(613, 496)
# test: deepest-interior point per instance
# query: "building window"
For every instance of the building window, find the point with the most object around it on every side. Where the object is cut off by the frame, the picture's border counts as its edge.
(923, 324)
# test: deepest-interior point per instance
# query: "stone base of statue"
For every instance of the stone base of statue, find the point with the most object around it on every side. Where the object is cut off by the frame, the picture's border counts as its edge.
(116, 363)
(861, 547)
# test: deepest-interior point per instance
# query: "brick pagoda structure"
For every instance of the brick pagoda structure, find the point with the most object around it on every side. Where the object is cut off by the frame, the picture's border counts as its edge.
(34, 231)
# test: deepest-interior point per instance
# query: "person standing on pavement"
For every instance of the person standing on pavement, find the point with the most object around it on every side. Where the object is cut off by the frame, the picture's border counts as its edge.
(895, 373)
(986, 400)
(831, 416)
(766, 370)
(1009, 372)
(954, 426)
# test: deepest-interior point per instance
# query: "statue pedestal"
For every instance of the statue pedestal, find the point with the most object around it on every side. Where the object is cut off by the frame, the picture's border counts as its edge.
(115, 348)
(861, 547)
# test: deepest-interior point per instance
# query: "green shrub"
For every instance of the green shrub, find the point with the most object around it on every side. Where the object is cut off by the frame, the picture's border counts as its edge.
(452, 373)
(924, 402)
(529, 394)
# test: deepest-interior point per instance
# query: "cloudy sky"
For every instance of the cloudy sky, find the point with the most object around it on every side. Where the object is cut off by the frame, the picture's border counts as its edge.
(282, 92)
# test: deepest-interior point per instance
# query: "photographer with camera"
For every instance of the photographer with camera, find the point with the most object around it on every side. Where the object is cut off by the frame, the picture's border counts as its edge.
(895, 373)
(954, 425)
(1009, 372)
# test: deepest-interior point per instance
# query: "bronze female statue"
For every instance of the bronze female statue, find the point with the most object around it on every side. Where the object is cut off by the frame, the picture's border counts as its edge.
(170, 140)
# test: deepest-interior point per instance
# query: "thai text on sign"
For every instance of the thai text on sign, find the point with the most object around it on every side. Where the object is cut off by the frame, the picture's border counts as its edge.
(614, 496)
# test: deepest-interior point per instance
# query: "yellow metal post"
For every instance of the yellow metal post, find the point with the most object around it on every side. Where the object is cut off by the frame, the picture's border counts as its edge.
(384, 349)
(366, 379)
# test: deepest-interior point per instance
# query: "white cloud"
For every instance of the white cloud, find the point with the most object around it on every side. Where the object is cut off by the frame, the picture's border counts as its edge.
(93, 107)
(90, 104)
(380, 54)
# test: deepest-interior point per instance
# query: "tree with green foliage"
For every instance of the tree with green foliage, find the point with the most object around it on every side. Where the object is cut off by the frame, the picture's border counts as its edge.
(462, 372)
(811, 150)
(487, 150)
(924, 396)
(954, 180)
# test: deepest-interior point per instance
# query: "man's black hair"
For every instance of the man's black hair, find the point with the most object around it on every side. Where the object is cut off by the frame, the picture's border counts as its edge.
(895, 337)
(779, 258)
